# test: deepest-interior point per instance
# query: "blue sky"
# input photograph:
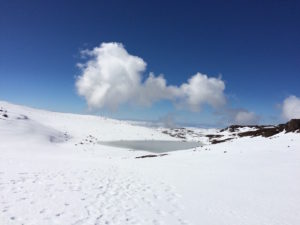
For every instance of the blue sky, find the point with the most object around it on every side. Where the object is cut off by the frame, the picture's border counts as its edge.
(254, 45)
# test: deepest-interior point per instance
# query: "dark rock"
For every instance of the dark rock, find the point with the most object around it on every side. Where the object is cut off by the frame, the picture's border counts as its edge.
(235, 128)
(150, 156)
(293, 125)
(260, 130)
(215, 141)
(23, 117)
(210, 136)
(264, 132)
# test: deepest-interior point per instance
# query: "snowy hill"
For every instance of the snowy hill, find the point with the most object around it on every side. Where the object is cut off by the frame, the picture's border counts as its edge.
(78, 126)
(54, 171)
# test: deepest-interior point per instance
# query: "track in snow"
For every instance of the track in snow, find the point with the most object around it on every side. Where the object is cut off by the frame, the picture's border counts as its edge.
(86, 197)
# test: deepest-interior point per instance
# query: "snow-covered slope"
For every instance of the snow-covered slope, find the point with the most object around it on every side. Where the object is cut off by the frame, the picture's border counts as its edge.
(52, 171)
(78, 126)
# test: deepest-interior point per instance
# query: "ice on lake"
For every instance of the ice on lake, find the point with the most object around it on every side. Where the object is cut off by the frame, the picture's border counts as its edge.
(155, 146)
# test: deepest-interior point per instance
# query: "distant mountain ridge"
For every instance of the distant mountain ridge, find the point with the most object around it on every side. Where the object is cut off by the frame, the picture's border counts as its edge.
(266, 131)
(215, 136)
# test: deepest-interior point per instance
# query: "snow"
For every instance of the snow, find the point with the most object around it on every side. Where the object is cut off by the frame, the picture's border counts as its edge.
(48, 177)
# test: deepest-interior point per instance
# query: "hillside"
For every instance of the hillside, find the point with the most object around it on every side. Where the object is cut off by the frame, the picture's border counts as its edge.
(54, 171)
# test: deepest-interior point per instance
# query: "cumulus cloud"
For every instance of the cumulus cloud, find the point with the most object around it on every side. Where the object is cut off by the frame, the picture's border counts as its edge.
(244, 117)
(111, 77)
(237, 116)
(200, 89)
(291, 108)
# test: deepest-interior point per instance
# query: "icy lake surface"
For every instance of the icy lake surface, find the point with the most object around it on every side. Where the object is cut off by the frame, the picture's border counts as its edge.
(153, 145)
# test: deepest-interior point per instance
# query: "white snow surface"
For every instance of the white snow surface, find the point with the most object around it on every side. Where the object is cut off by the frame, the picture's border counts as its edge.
(53, 172)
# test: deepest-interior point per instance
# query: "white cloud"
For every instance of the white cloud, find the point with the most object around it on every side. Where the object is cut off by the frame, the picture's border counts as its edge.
(236, 116)
(201, 89)
(112, 77)
(154, 89)
(244, 117)
(291, 108)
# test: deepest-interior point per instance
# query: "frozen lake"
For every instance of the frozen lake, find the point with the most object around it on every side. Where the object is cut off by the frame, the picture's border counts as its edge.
(153, 145)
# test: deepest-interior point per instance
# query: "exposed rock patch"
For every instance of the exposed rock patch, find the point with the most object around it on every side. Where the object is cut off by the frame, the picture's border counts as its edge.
(89, 140)
(236, 128)
(217, 141)
(150, 156)
(211, 136)
(291, 126)
(3, 112)
(177, 132)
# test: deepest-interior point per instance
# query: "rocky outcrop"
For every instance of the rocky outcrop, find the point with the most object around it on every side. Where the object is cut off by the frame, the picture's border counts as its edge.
(217, 141)
(291, 126)
(255, 131)
(150, 156)
(236, 128)
(236, 131)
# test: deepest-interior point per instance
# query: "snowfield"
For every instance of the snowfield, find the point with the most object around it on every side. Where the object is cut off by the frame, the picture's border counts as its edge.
(53, 171)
